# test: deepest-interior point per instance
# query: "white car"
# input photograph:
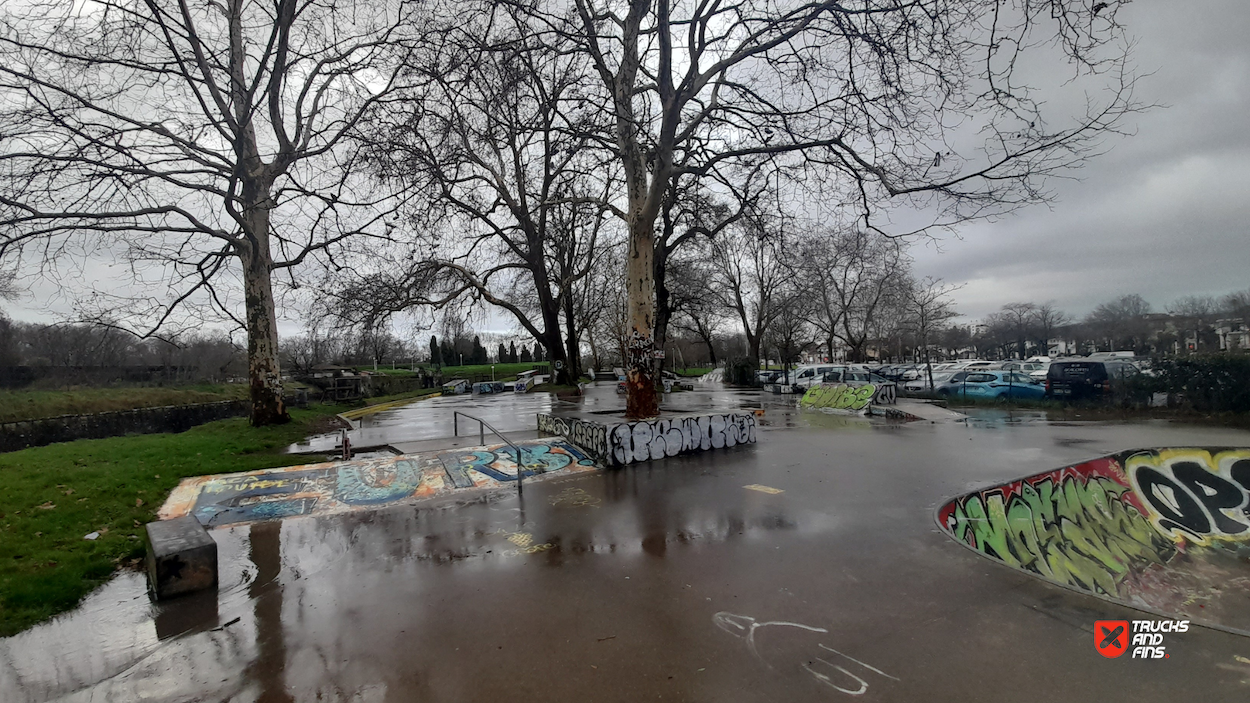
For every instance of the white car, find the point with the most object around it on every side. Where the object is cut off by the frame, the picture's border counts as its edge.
(920, 385)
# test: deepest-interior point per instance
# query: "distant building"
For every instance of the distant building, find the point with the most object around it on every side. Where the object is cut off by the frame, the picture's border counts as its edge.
(1232, 333)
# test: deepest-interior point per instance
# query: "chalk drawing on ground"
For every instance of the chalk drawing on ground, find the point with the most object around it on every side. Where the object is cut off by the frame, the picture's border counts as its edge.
(824, 664)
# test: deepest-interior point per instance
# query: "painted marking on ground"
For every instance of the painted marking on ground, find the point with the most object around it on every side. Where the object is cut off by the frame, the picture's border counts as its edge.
(334, 487)
(764, 489)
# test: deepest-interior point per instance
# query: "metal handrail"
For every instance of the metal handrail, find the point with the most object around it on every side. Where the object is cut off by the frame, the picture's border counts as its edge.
(482, 426)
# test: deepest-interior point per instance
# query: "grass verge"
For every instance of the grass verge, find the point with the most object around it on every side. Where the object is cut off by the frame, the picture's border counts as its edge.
(34, 404)
(55, 495)
(558, 389)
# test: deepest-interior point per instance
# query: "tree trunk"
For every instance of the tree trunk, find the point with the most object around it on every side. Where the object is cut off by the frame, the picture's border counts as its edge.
(663, 313)
(264, 373)
(706, 336)
(572, 349)
(641, 400)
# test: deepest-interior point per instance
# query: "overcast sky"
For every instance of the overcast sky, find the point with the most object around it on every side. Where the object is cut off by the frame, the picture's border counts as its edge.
(1165, 213)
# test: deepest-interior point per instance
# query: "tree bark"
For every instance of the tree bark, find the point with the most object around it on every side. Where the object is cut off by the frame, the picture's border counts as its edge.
(264, 373)
(641, 400)
(663, 312)
(572, 349)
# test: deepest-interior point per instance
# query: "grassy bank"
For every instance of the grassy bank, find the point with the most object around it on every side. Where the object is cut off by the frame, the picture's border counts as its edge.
(55, 495)
(34, 404)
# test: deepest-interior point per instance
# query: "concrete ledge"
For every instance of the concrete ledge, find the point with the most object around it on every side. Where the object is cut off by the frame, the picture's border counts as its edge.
(182, 557)
(617, 443)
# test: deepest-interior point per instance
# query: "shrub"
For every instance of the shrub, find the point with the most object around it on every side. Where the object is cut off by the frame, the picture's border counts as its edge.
(740, 371)
(1214, 383)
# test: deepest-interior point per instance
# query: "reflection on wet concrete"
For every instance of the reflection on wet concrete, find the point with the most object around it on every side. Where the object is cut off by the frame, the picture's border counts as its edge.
(606, 586)
(516, 413)
(265, 592)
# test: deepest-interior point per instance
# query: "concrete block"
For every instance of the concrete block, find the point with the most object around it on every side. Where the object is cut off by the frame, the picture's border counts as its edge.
(182, 557)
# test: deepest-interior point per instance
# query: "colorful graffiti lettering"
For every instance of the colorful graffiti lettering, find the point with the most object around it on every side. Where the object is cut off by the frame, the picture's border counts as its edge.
(1163, 528)
(500, 463)
(839, 396)
(336, 487)
(1080, 526)
(1196, 494)
(361, 485)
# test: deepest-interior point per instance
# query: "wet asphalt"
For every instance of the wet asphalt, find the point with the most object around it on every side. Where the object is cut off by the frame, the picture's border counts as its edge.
(665, 581)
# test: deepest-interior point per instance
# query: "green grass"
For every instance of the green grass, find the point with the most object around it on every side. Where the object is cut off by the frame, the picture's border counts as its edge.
(55, 495)
(554, 388)
(34, 404)
(693, 371)
(503, 372)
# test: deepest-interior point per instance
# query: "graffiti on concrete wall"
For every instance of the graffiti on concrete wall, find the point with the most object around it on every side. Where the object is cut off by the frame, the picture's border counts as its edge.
(656, 439)
(591, 437)
(1161, 528)
(1081, 526)
(501, 463)
(1197, 494)
(358, 485)
(341, 486)
(839, 396)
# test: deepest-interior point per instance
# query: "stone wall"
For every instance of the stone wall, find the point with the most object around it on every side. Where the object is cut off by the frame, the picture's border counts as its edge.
(66, 428)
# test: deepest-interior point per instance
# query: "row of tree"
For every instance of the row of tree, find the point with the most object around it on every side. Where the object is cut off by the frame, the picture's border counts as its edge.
(426, 154)
(1187, 325)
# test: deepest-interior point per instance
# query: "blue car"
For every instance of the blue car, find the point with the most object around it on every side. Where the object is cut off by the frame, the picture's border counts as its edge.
(998, 385)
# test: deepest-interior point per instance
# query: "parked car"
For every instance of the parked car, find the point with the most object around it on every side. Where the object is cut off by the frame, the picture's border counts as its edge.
(999, 385)
(810, 375)
(854, 376)
(1087, 380)
(920, 385)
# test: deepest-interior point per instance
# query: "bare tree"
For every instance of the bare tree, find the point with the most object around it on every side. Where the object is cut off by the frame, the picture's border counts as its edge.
(749, 278)
(1047, 319)
(928, 307)
(876, 98)
(853, 278)
(1020, 317)
(695, 307)
(210, 139)
(1198, 312)
(1237, 304)
(498, 134)
(1120, 322)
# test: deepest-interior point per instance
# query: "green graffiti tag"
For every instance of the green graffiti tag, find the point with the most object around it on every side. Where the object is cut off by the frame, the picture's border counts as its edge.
(839, 396)
(1083, 534)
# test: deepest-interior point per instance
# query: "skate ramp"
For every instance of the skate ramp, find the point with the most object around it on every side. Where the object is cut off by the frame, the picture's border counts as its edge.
(1165, 530)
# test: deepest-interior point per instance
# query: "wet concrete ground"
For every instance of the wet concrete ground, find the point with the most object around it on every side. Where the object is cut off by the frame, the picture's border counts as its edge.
(408, 426)
(668, 581)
